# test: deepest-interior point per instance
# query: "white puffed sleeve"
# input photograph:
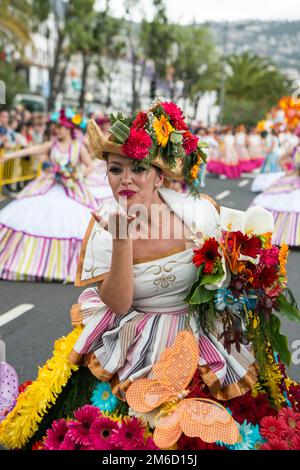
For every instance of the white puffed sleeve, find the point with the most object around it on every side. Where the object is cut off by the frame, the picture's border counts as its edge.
(96, 251)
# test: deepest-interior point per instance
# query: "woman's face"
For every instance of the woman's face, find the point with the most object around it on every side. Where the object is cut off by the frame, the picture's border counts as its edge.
(62, 132)
(134, 182)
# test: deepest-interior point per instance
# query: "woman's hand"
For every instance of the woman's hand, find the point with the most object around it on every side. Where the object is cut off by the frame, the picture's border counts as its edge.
(117, 224)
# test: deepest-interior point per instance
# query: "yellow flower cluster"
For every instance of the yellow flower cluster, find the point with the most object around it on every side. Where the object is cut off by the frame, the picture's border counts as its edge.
(162, 129)
(23, 421)
(195, 169)
(76, 119)
(272, 381)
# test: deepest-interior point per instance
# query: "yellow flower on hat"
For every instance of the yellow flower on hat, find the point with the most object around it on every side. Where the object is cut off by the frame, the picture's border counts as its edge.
(194, 172)
(76, 119)
(162, 129)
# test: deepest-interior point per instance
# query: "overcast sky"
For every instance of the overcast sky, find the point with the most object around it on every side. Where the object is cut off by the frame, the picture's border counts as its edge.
(186, 11)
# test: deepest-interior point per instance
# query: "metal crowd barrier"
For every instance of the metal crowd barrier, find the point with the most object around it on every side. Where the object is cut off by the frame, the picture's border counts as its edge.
(18, 169)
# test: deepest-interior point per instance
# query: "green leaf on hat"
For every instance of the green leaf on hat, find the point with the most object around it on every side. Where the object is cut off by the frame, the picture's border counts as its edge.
(176, 137)
(120, 131)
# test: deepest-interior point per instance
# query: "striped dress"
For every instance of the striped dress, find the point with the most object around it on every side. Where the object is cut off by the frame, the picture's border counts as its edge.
(42, 230)
(122, 348)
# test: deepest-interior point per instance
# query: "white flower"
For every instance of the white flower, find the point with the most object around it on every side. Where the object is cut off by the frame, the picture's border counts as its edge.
(255, 220)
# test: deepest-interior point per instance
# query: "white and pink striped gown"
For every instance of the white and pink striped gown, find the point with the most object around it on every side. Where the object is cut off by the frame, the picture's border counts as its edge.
(42, 230)
(122, 348)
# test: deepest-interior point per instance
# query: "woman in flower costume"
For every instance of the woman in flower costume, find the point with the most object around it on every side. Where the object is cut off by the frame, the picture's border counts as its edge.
(282, 199)
(41, 232)
(142, 313)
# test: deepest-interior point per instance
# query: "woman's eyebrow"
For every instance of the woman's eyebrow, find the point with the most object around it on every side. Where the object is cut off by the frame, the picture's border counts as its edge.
(115, 163)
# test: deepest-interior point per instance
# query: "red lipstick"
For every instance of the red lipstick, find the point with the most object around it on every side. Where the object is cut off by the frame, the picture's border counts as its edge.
(127, 193)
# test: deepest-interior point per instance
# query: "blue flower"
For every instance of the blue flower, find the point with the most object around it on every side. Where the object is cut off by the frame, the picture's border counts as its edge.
(250, 301)
(225, 299)
(250, 438)
(103, 398)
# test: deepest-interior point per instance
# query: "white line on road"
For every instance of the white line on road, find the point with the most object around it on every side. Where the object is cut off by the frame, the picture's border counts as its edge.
(222, 195)
(15, 313)
(243, 183)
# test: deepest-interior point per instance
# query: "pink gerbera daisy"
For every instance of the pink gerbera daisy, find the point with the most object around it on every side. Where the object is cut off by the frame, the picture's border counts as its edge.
(56, 435)
(101, 434)
(275, 444)
(272, 428)
(295, 442)
(79, 430)
(130, 434)
(290, 418)
(70, 444)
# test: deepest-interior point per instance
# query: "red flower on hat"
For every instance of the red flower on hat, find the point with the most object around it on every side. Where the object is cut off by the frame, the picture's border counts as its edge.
(175, 114)
(138, 144)
(140, 121)
(207, 255)
(190, 142)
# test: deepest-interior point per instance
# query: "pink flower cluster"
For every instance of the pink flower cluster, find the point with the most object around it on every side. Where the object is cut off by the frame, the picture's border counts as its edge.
(282, 432)
(91, 430)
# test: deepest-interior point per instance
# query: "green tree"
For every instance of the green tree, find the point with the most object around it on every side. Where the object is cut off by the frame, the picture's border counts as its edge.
(157, 36)
(196, 66)
(14, 19)
(253, 84)
(15, 81)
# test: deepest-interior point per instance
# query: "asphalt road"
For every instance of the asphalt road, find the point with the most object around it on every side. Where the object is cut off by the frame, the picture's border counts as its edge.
(29, 338)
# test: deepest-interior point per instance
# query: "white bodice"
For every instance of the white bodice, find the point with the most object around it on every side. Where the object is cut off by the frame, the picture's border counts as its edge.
(63, 158)
(161, 285)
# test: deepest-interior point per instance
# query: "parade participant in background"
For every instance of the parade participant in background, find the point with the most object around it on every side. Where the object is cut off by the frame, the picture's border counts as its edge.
(255, 148)
(229, 165)
(137, 340)
(41, 231)
(241, 148)
(271, 169)
(282, 198)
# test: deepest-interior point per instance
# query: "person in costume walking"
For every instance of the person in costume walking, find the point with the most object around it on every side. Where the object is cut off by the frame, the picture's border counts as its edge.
(282, 198)
(41, 231)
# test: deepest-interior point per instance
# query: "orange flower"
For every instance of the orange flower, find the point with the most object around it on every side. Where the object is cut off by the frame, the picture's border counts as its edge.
(283, 254)
(194, 172)
(76, 119)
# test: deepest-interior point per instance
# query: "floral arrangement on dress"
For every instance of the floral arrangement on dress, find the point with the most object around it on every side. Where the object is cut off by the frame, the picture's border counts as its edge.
(242, 283)
(161, 132)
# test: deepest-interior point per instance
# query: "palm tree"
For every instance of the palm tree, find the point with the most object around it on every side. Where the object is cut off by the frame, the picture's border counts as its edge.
(253, 85)
(14, 19)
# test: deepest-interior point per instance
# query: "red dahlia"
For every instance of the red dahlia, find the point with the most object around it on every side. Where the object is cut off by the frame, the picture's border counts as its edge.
(207, 255)
(265, 277)
(138, 144)
(275, 444)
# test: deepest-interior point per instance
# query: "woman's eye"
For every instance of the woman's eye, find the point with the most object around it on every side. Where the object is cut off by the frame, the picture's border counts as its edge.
(115, 170)
(139, 169)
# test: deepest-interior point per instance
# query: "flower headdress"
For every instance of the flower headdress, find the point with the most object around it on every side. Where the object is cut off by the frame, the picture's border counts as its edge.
(159, 137)
(69, 118)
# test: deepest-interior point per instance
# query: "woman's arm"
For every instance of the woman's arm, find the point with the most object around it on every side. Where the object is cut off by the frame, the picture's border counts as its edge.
(86, 160)
(34, 150)
(116, 290)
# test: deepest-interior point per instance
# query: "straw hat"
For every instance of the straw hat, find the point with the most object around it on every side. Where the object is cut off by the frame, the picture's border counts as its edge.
(102, 145)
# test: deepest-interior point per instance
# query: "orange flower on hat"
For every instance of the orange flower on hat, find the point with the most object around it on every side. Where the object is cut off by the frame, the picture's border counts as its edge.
(162, 129)
(76, 119)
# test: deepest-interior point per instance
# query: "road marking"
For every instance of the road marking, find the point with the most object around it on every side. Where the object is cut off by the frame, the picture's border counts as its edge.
(222, 195)
(15, 313)
(243, 183)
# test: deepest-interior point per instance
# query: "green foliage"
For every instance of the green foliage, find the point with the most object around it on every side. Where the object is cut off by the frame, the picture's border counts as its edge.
(286, 309)
(253, 84)
(14, 80)
(278, 341)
